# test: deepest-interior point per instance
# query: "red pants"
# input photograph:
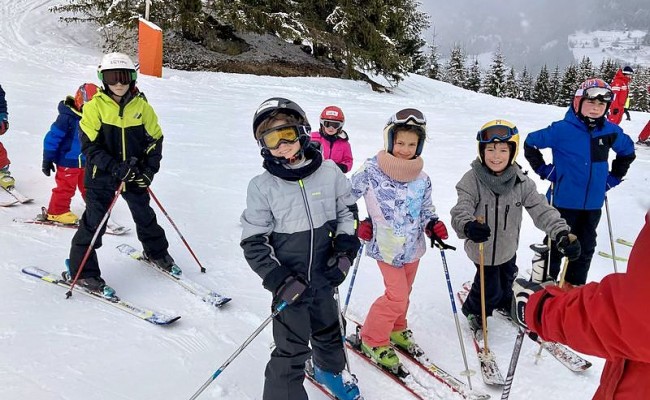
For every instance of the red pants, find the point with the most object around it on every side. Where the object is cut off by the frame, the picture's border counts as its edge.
(4, 160)
(67, 180)
(388, 313)
(645, 132)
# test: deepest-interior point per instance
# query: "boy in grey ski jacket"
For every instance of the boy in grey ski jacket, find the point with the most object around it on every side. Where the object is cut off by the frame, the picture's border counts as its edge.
(491, 197)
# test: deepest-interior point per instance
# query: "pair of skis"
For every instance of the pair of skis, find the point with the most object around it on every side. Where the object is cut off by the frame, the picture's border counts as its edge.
(489, 368)
(15, 197)
(618, 258)
(410, 382)
(207, 295)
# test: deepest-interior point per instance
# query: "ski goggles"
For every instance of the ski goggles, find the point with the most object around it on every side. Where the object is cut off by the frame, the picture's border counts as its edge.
(598, 93)
(406, 115)
(272, 139)
(496, 133)
(332, 124)
(115, 76)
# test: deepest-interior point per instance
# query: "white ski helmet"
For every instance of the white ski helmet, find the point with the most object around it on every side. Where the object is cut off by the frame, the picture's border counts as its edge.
(116, 61)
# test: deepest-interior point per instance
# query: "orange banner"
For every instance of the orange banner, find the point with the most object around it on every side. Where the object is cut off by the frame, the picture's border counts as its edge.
(150, 48)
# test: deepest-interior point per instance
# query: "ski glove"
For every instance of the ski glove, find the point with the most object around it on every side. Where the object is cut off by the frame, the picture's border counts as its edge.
(47, 167)
(612, 181)
(547, 171)
(291, 290)
(364, 232)
(477, 232)
(143, 179)
(522, 289)
(125, 171)
(4, 125)
(436, 230)
(568, 244)
(338, 267)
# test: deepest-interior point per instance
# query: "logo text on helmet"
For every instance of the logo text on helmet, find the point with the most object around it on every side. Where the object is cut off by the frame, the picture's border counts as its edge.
(268, 104)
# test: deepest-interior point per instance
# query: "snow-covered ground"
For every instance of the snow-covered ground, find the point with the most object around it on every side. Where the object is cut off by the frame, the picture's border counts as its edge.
(623, 46)
(57, 349)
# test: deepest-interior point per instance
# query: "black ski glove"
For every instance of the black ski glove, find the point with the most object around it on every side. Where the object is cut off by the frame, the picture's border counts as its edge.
(125, 171)
(291, 290)
(477, 232)
(522, 289)
(144, 179)
(47, 167)
(568, 244)
(338, 267)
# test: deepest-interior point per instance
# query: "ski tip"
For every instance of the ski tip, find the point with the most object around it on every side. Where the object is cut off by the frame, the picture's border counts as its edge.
(163, 320)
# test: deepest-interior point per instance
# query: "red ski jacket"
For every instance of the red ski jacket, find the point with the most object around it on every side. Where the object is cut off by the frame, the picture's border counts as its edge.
(620, 87)
(607, 319)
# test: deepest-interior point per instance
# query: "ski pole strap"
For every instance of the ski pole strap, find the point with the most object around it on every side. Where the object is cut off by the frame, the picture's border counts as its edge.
(441, 245)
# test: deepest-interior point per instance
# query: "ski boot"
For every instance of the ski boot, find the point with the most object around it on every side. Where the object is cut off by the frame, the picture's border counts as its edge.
(337, 384)
(384, 356)
(166, 263)
(539, 271)
(68, 218)
(93, 284)
(404, 340)
(6, 180)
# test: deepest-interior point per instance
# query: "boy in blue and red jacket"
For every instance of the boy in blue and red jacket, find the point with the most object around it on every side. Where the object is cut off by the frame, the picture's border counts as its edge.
(61, 147)
(580, 173)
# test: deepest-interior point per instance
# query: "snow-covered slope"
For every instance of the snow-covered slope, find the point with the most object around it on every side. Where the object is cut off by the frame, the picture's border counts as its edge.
(52, 348)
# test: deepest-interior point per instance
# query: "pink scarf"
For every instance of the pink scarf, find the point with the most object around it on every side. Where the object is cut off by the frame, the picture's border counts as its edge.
(399, 169)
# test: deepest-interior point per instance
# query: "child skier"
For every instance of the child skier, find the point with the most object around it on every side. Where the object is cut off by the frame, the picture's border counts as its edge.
(333, 139)
(61, 147)
(397, 194)
(491, 198)
(6, 180)
(298, 236)
(580, 173)
(122, 141)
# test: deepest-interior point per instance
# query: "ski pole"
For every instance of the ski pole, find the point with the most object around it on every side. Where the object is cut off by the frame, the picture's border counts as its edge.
(549, 241)
(611, 237)
(354, 275)
(94, 239)
(442, 246)
(241, 348)
(153, 196)
(481, 250)
(342, 327)
(505, 394)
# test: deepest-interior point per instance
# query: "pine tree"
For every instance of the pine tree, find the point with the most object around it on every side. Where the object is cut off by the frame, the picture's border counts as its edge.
(455, 68)
(525, 86)
(496, 76)
(607, 70)
(568, 87)
(639, 96)
(554, 84)
(433, 60)
(585, 70)
(511, 87)
(541, 90)
(474, 76)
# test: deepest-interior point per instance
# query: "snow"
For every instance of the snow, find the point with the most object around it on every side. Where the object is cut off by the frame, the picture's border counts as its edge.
(54, 348)
(624, 46)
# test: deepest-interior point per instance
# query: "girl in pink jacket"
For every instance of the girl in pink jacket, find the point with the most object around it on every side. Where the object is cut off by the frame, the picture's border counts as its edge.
(333, 139)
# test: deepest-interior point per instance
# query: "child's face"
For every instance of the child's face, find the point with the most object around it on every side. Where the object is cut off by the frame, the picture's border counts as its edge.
(593, 108)
(286, 150)
(497, 156)
(119, 89)
(405, 144)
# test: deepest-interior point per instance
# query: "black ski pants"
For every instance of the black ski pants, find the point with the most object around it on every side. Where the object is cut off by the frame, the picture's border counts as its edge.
(583, 224)
(150, 234)
(313, 318)
(498, 288)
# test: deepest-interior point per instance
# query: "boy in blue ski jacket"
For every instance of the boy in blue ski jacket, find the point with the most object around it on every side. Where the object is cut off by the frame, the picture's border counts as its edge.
(579, 173)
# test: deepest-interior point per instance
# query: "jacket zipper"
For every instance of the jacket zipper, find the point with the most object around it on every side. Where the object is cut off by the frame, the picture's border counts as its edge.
(305, 201)
(505, 220)
(496, 228)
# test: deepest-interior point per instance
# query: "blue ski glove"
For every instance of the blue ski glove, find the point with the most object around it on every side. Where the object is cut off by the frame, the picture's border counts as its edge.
(612, 181)
(547, 171)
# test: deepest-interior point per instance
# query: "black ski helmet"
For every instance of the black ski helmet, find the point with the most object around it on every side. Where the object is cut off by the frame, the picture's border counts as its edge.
(273, 106)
